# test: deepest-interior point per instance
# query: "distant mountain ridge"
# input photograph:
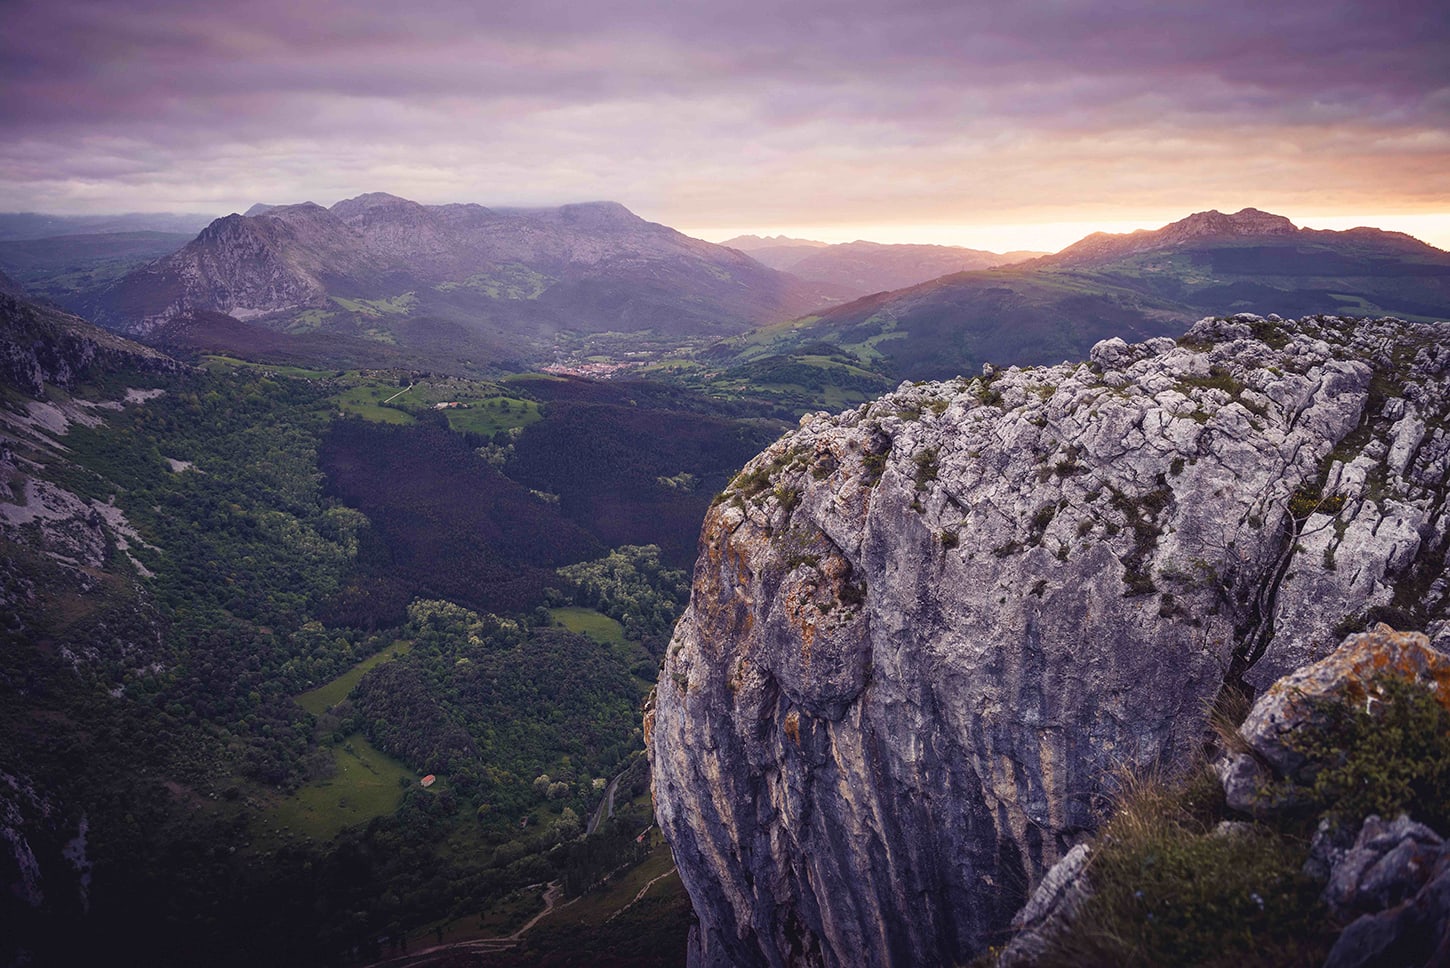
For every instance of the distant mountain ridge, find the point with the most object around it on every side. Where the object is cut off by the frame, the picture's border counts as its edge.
(755, 243)
(36, 225)
(1146, 284)
(1245, 224)
(863, 267)
(368, 264)
(877, 267)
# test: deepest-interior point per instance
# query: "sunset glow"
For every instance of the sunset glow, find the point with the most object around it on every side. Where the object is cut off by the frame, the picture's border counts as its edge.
(987, 125)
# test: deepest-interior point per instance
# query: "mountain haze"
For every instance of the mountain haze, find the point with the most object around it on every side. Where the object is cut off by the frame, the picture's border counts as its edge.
(389, 269)
(863, 267)
(57, 267)
(1134, 286)
(35, 225)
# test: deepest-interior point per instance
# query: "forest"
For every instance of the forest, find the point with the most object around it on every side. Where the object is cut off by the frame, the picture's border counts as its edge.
(316, 597)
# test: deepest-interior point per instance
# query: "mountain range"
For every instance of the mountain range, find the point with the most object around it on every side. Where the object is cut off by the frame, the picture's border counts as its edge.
(250, 607)
(1144, 284)
(394, 271)
(379, 280)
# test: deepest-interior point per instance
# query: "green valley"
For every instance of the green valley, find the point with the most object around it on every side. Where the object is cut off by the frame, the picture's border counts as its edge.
(310, 588)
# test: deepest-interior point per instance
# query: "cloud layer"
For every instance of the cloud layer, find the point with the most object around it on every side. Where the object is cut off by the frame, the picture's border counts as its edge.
(763, 112)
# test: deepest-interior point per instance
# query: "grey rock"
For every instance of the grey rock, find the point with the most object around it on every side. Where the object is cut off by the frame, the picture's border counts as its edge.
(1389, 862)
(1053, 908)
(1105, 353)
(1413, 934)
(1331, 841)
(1233, 828)
(923, 633)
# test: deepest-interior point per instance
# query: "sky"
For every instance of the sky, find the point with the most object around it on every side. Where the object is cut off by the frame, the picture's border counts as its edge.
(998, 125)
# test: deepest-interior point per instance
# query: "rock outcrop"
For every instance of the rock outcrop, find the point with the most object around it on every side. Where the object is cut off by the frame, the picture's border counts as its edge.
(1384, 884)
(40, 345)
(924, 633)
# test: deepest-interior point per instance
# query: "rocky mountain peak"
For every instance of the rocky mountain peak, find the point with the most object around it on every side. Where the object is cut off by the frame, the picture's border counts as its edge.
(1245, 223)
(600, 215)
(349, 207)
(226, 224)
(1248, 221)
(924, 632)
(302, 213)
(593, 266)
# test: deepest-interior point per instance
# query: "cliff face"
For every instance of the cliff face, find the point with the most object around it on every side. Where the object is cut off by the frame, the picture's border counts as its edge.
(246, 267)
(922, 634)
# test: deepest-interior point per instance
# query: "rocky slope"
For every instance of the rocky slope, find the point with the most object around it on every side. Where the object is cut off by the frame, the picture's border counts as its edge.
(1325, 748)
(923, 633)
(40, 345)
(9, 287)
(43, 354)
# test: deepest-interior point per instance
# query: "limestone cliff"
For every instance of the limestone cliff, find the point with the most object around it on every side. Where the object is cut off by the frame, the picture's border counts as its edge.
(923, 633)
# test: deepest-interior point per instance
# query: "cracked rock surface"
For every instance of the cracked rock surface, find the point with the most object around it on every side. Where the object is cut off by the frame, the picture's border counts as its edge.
(923, 633)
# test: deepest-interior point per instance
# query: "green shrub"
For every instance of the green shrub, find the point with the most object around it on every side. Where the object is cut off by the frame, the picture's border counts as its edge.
(1167, 890)
(1309, 499)
(1218, 378)
(1385, 752)
(926, 467)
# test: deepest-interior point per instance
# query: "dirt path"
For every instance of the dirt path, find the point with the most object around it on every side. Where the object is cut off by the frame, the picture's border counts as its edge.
(400, 393)
(640, 896)
(551, 897)
(426, 956)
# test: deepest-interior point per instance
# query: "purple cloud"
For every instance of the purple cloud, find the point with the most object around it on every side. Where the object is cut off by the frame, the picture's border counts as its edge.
(705, 111)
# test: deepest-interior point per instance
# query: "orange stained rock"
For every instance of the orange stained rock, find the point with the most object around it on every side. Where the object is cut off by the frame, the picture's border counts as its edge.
(1351, 670)
(793, 726)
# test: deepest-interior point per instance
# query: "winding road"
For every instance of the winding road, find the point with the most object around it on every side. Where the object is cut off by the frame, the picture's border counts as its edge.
(605, 809)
